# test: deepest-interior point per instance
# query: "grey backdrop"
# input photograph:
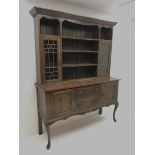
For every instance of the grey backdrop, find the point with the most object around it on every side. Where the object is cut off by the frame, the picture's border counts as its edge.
(90, 133)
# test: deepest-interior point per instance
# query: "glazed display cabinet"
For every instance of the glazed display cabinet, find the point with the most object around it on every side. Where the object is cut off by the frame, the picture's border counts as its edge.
(73, 57)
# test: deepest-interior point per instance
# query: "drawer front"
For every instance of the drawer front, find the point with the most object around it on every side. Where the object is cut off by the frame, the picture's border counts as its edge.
(86, 92)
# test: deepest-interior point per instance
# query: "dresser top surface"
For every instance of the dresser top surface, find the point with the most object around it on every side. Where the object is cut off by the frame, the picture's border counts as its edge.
(73, 83)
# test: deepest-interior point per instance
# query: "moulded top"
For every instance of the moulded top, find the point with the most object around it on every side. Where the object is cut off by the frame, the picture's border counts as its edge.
(47, 87)
(36, 10)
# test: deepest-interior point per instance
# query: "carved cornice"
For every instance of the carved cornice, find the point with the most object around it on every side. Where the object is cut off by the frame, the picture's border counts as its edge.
(34, 11)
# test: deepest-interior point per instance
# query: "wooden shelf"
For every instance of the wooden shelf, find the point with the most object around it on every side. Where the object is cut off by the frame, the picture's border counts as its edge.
(79, 51)
(78, 38)
(49, 35)
(78, 65)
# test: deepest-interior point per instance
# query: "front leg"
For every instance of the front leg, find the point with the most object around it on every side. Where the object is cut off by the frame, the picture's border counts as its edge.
(100, 111)
(116, 106)
(40, 124)
(40, 130)
(48, 135)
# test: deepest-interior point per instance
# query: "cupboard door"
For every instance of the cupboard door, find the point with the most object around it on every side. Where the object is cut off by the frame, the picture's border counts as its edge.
(84, 97)
(63, 102)
(95, 96)
(104, 57)
(51, 58)
(83, 104)
(109, 91)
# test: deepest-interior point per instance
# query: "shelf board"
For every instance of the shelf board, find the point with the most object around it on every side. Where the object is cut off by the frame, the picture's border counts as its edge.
(49, 35)
(78, 38)
(79, 51)
(78, 65)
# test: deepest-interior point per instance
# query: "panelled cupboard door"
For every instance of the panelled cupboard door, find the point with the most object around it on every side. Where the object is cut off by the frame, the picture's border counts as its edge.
(104, 57)
(109, 91)
(63, 103)
(95, 96)
(51, 58)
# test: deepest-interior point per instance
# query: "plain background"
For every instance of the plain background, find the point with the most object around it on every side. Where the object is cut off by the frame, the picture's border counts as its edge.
(90, 133)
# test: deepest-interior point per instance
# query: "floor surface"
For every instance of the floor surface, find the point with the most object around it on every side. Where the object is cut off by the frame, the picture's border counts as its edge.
(81, 135)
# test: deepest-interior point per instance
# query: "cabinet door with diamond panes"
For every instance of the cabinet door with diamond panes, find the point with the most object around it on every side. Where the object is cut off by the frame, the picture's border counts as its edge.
(51, 53)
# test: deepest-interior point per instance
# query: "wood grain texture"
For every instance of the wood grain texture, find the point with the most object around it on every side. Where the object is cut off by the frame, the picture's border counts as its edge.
(37, 48)
(81, 112)
(34, 11)
(73, 101)
(73, 83)
(73, 58)
(104, 57)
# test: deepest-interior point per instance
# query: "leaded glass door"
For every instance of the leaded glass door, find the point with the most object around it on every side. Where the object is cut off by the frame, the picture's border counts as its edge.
(52, 59)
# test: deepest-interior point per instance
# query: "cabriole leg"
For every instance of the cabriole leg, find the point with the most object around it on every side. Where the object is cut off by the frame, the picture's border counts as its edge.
(100, 111)
(40, 124)
(48, 135)
(116, 106)
(40, 130)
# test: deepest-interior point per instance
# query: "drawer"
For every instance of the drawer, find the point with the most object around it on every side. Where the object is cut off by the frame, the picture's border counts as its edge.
(86, 92)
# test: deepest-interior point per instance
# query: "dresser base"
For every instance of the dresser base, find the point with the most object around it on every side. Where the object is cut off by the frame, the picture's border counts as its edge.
(58, 105)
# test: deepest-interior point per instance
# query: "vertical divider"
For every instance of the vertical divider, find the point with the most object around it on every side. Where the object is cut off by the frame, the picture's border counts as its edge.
(109, 65)
(99, 35)
(60, 53)
(42, 60)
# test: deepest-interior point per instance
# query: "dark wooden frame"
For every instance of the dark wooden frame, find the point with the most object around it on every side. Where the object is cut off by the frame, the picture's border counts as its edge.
(58, 99)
